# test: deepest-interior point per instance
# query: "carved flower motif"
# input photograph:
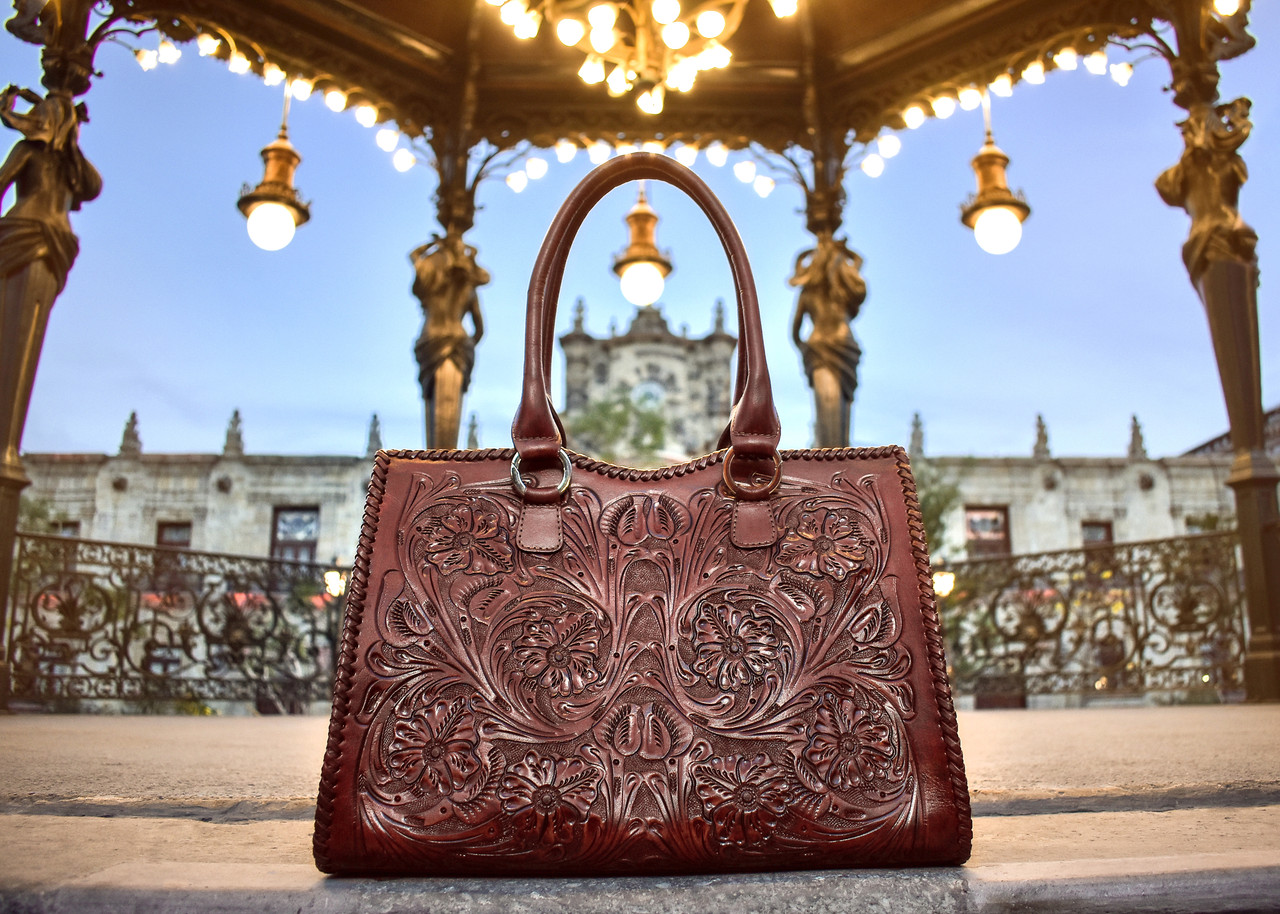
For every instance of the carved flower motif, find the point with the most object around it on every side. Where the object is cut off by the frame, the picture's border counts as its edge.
(824, 543)
(559, 653)
(551, 794)
(732, 645)
(849, 746)
(470, 539)
(435, 746)
(744, 797)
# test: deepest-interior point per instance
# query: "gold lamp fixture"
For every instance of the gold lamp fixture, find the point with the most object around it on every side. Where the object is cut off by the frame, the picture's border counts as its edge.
(995, 213)
(642, 269)
(643, 47)
(273, 210)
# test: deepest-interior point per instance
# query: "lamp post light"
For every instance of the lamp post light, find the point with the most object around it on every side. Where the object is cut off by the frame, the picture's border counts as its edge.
(273, 210)
(995, 213)
(642, 269)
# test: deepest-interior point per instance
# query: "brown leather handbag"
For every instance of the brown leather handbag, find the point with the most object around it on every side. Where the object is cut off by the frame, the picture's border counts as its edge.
(552, 665)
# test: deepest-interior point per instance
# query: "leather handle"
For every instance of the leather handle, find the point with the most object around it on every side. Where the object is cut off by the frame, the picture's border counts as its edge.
(754, 429)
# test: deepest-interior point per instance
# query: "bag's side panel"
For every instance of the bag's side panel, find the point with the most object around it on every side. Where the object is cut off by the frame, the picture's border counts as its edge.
(649, 697)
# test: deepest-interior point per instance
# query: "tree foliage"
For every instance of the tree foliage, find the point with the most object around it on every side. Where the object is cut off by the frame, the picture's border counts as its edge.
(619, 427)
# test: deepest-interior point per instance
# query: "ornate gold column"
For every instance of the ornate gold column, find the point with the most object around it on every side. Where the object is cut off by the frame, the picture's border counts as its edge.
(49, 177)
(1220, 256)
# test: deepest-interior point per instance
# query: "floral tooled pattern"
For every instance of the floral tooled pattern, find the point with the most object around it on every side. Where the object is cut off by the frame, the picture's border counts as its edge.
(471, 538)
(824, 543)
(732, 645)
(434, 749)
(743, 797)
(558, 653)
(549, 794)
(850, 746)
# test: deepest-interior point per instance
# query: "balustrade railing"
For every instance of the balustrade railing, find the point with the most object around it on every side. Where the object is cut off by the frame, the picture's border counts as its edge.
(1165, 616)
(93, 624)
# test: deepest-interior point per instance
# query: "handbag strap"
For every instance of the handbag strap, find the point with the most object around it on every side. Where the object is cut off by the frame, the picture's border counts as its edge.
(754, 429)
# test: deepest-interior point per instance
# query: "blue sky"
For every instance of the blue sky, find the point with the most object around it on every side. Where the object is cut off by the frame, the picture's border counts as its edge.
(171, 311)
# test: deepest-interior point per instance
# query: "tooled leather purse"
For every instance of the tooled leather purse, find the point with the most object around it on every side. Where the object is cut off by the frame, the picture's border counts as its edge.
(552, 665)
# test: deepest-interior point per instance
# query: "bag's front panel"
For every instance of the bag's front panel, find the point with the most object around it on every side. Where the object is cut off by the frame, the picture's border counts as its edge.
(649, 697)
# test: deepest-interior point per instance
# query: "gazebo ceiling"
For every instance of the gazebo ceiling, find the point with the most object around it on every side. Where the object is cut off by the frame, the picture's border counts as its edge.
(448, 64)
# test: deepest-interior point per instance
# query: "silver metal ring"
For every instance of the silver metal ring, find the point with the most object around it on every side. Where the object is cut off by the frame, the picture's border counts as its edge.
(565, 463)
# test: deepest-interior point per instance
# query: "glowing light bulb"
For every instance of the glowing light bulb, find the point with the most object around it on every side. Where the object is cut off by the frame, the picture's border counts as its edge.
(666, 12)
(272, 75)
(1034, 73)
(366, 115)
(970, 98)
(889, 145)
(1226, 7)
(602, 40)
(535, 167)
(238, 63)
(715, 56)
(404, 159)
(1002, 85)
(592, 71)
(675, 36)
(745, 171)
(763, 185)
(527, 26)
(206, 44)
(168, 52)
(710, 24)
(625, 149)
(147, 59)
(641, 283)
(654, 146)
(943, 106)
(602, 16)
(682, 76)
(301, 89)
(565, 151)
(570, 31)
(913, 117)
(271, 226)
(872, 165)
(1096, 63)
(598, 152)
(717, 154)
(1122, 72)
(651, 102)
(335, 100)
(511, 12)
(997, 230)
(387, 138)
(686, 155)
(784, 8)
(617, 82)
(1066, 59)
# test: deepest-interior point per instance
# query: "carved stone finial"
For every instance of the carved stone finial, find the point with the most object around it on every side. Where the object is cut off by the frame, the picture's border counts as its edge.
(473, 433)
(613, 326)
(916, 448)
(130, 443)
(718, 316)
(234, 445)
(375, 437)
(579, 320)
(1137, 447)
(1041, 449)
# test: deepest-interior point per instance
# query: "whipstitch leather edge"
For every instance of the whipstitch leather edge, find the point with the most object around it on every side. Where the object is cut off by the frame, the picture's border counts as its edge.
(937, 657)
(357, 592)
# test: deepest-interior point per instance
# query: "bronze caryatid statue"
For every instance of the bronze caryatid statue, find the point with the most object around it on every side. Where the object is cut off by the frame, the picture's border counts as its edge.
(831, 292)
(50, 177)
(446, 280)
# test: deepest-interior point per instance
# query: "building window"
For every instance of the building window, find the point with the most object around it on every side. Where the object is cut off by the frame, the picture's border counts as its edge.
(67, 528)
(294, 532)
(176, 534)
(1096, 533)
(986, 530)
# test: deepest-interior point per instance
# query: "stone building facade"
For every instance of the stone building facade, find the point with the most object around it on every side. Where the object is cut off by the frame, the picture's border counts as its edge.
(686, 378)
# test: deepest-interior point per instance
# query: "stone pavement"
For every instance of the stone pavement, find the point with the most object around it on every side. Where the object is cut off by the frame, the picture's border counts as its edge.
(1098, 809)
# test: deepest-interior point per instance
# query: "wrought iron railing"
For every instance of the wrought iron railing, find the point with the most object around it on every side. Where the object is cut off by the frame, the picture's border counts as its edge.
(96, 623)
(1165, 616)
